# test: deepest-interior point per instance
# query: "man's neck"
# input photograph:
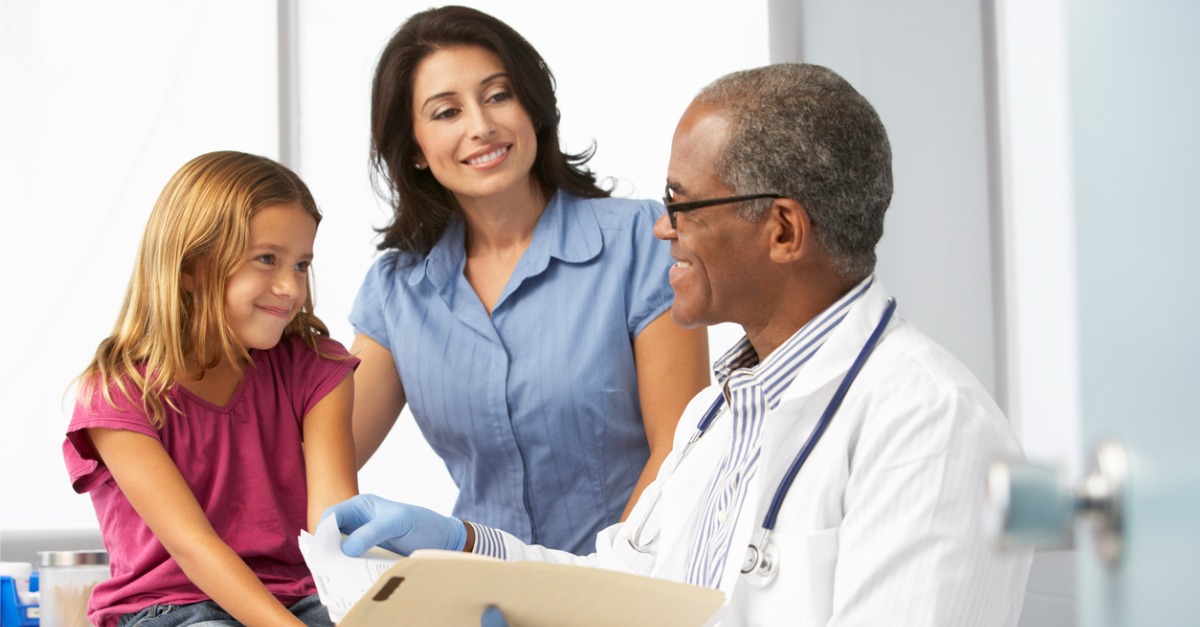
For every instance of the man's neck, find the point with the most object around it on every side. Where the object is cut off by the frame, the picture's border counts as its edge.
(796, 307)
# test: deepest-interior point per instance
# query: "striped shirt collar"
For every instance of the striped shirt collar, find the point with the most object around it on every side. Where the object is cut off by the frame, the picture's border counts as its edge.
(776, 372)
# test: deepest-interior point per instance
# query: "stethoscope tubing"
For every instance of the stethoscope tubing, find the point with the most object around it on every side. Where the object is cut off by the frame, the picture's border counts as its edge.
(761, 558)
(826, 417)
(785, 485)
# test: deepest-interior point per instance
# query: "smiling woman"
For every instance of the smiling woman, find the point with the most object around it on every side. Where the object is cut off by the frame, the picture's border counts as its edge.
(474, 135)
(518, 310)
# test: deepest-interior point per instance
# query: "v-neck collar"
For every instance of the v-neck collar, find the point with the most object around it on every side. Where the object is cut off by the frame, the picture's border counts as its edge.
(568, 230)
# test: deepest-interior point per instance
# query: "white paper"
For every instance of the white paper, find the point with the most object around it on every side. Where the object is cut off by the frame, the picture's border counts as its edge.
(341, 580)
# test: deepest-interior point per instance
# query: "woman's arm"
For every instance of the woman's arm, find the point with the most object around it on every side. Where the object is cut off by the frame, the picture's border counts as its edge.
(154, 486)
(331, 473)
(672, 367)
(380, 397)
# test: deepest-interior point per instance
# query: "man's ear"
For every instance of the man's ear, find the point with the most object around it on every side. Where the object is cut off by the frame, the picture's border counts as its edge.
(791, 232)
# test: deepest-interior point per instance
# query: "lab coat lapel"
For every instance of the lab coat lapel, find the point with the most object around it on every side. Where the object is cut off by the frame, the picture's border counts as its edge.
(788, 426)
(837, 354)
(791, 423)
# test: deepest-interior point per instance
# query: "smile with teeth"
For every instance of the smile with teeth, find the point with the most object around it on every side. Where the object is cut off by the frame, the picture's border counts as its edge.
(489, 157)
(683, 264)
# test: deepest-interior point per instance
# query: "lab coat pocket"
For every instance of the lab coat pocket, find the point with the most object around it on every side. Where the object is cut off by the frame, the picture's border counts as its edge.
(806, 562)
(822, 559)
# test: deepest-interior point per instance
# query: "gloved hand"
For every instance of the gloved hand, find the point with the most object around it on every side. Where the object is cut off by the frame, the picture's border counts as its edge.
(492, 617)
(368, 520)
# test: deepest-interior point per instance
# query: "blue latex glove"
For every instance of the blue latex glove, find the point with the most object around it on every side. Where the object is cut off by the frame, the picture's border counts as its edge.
(368, 520)
(492, 617)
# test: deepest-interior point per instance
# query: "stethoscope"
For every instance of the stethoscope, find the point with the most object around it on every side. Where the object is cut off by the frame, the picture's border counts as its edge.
(761, 557)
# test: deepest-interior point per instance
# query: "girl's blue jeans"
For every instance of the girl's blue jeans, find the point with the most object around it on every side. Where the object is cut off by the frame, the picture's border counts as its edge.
(209, 614)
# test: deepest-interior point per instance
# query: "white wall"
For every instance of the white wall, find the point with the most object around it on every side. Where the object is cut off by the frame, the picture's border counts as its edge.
(978, 245)
(921, 63)
(1039, 239)
(1039, 255)
(102, 101)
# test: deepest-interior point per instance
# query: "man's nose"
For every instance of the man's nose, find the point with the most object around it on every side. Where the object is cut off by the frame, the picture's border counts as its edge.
(663, 229)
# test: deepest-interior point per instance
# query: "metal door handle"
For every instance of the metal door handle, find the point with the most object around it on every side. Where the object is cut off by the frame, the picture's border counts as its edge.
(1032, 504)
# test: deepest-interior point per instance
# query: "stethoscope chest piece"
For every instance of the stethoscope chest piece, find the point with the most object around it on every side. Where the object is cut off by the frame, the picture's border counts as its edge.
(761, 564)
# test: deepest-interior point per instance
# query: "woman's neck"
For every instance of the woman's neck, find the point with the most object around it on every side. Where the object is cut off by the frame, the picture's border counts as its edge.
(502, 225)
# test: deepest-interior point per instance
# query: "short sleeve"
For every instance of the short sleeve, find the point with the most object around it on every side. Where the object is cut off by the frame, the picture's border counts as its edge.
(649, 291)
(368, 315)
(83, 462)
(314, 375)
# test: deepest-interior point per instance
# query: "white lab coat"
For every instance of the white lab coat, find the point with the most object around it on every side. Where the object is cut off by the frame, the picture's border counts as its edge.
(883, 526)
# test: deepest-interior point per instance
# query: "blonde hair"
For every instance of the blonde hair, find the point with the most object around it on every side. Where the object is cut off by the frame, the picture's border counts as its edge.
(200, 226)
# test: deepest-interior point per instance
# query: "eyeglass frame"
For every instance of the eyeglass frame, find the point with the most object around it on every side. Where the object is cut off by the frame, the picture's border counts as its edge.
(674, 208)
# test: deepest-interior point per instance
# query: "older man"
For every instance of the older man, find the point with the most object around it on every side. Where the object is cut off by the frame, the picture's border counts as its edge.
(834, 476)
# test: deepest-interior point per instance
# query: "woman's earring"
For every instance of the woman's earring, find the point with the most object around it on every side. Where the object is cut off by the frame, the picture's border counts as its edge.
(419, 166)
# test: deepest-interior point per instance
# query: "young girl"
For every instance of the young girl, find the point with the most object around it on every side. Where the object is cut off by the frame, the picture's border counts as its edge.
(214, 423)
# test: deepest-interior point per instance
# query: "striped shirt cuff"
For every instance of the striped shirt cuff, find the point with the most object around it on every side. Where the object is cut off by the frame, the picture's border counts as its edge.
(488, 541)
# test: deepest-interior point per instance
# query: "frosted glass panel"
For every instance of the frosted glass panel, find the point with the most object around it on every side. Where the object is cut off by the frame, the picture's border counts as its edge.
(1134, 88)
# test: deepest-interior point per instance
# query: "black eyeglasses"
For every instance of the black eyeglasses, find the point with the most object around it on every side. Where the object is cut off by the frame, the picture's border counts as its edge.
(678, 207)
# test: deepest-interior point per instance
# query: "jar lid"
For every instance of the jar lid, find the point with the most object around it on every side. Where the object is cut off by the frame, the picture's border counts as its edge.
(72, 558)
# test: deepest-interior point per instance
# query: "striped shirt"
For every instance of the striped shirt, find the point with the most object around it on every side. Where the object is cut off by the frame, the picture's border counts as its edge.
(752, 389)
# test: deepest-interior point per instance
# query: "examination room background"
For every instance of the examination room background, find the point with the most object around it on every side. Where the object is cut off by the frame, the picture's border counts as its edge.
(101, 101)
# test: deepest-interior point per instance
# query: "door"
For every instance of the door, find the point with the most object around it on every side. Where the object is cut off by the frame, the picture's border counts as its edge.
(1135, 101)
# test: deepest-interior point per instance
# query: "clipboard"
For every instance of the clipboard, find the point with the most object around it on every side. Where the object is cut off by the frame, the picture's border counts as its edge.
(440, 588)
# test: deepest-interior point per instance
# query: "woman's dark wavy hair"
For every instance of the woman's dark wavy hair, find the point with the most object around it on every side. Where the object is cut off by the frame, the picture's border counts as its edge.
(422, 206)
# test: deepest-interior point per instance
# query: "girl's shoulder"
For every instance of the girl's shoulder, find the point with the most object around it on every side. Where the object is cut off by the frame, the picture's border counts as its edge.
(118, 393)
(293, 349)
(298, 362)
(327, 347)
(296, 371)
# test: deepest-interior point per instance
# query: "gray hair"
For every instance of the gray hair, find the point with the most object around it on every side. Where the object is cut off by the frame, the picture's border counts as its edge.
(803, 132)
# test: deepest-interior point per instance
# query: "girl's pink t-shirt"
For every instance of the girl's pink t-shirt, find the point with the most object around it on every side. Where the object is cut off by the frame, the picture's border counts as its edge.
(244, 463)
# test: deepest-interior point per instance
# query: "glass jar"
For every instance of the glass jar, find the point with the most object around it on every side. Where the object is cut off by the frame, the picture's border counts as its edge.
(65, 581)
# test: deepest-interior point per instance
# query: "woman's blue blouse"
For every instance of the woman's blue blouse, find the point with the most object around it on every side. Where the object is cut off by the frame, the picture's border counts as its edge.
(534, 409)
